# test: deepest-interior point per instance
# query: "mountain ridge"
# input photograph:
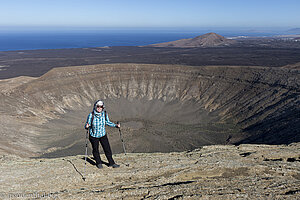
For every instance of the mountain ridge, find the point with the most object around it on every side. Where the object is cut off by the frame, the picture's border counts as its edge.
(294, 30)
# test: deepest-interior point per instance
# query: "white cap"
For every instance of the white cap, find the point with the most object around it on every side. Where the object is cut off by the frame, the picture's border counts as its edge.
(99, 103)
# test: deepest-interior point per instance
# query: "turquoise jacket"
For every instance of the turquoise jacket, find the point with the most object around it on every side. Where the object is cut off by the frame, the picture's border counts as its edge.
(97, 127)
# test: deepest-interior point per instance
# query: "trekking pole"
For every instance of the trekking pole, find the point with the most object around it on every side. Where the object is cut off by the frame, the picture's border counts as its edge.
(86, 151)
(121, 137)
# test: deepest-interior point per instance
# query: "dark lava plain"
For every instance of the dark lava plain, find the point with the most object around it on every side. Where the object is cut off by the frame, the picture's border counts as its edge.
(37, 62)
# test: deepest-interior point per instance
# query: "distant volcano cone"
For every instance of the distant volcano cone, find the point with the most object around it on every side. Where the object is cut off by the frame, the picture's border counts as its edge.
(209, 39)
(206, 40)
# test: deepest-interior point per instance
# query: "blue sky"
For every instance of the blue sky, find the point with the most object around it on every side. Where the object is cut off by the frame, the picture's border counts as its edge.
(150, 13)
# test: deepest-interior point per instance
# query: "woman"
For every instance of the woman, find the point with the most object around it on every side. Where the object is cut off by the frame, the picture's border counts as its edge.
(96, 122)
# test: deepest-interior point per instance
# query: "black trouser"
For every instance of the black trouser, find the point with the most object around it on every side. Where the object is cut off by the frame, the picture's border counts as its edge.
(106, 147)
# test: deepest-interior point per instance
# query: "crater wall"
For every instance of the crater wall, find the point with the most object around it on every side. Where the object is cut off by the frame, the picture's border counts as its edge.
(162, 107)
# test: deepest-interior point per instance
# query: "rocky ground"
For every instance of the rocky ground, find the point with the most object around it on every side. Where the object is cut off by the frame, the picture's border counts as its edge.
(211, 172)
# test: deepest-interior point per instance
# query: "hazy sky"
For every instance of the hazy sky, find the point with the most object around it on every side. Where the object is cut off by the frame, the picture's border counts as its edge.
(150, 13)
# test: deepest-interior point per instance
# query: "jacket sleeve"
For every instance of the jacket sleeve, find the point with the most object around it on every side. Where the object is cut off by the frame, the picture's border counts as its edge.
(88, 120)
(109, 123)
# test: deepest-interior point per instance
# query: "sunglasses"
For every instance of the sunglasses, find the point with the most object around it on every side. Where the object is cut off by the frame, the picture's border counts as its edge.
(99, 106)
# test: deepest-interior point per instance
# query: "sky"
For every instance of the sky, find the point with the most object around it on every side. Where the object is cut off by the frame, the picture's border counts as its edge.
(150, 13)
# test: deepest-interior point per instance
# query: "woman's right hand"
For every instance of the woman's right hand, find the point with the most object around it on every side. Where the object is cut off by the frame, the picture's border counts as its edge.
(87, 126)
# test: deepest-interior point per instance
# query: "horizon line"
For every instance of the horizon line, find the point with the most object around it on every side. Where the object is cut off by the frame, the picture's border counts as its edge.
(146, 27)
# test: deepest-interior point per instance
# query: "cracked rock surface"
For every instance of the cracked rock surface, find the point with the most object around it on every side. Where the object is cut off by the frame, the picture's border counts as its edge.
(211, 172)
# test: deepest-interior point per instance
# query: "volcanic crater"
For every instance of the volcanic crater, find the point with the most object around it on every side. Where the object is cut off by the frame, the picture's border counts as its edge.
(162, 108)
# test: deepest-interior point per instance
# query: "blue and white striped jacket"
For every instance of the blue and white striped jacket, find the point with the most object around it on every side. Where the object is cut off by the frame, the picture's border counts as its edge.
(97, 127)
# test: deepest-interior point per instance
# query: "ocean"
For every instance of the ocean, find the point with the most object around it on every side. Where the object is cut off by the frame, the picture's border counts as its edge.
(12, 41)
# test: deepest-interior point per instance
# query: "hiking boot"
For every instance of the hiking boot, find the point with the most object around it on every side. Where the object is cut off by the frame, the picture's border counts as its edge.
(99, 166)
(115, 166)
